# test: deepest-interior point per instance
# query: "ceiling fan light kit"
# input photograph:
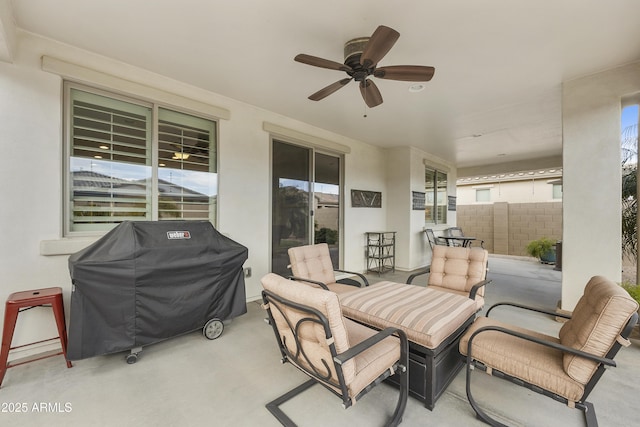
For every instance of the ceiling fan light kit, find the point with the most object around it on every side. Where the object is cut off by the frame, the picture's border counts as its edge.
(361, 57)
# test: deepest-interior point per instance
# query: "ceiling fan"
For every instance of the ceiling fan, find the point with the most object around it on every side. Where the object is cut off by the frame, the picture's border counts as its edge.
(361, 62)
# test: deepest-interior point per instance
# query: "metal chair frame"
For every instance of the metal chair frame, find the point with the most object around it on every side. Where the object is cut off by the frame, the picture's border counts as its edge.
(432, 239)
(322, 374)
(586, 407)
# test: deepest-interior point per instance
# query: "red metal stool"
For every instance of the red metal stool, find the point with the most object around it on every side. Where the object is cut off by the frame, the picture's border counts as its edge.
(21, 301)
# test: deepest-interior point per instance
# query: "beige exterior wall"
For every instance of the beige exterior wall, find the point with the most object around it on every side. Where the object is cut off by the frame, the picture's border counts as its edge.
(507, 228)
(531, 187)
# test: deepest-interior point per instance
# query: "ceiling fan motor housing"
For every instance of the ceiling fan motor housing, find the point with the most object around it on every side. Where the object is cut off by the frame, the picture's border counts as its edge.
(352, 51)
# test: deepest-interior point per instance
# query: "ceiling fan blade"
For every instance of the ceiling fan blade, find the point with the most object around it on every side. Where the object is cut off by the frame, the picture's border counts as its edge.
(407, 73)
(381, 41)
(370, 93)
(320, 62)
(324, 92)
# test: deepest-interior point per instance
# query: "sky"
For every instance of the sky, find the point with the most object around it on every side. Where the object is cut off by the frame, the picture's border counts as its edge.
(629, 116)
(629, 137)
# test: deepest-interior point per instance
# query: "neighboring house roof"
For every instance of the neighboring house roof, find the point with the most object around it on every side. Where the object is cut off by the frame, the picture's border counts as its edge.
(327, 199)
(91, 182)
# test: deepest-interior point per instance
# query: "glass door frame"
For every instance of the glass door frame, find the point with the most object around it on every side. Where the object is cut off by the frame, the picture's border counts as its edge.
(313, 150)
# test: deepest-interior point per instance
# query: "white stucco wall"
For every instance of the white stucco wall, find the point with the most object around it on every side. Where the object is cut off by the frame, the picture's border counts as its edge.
(592, 178)
(398, 177)
(406, 173)
(31, 172)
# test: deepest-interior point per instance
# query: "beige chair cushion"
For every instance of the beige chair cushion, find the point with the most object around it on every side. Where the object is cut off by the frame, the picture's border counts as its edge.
(359, 371)
(596, 322)
(458, 268)
(531, 362)
(312, 262)
(371, 363)
(428, 316)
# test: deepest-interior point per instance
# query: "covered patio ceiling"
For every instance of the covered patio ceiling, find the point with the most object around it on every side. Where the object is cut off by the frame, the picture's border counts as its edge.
(493, 105)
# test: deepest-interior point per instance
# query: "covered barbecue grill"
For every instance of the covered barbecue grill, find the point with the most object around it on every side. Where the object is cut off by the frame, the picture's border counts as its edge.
(146, 281)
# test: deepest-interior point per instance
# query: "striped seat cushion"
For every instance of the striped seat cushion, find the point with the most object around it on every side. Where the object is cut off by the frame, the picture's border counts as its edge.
(427, 316)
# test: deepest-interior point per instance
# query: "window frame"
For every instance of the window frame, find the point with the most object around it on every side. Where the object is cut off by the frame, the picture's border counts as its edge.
(483, 190)
(435, 220)
(155, 106)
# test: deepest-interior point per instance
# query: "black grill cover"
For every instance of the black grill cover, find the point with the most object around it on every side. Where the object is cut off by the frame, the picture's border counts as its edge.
(146, 281)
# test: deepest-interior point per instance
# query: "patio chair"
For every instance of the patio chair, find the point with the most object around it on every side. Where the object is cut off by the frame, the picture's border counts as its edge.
(312, 264)
(345, 357)
(457, 232)
(433, 240)
(566, 368)
(454, 232)
(458, 270)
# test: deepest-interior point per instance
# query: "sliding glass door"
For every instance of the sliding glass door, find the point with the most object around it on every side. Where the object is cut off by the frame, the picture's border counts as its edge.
(305, 202)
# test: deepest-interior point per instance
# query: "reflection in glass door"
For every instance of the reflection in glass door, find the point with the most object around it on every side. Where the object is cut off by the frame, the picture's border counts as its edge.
(290, 202)
(305, 206)
(326, 209)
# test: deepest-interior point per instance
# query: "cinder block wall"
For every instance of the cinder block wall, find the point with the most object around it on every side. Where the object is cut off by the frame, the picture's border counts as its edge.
(507, 228)
(477, 221)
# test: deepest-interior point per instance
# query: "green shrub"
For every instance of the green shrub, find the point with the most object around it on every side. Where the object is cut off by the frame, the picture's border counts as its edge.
(537, 248)
(326, 235)
(634, 291)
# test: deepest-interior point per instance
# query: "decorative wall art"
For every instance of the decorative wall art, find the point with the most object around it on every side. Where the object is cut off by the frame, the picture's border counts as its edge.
(366, 199)
(418, 200)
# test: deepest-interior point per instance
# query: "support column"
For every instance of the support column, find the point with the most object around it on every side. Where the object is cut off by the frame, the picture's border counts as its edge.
(501, 228)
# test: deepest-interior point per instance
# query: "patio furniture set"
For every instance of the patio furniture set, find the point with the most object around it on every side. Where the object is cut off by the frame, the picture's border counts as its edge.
(348, 335)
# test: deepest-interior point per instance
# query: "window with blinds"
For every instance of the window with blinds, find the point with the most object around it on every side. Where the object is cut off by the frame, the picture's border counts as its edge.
(435, 210)
(186, 173)
(126, 164)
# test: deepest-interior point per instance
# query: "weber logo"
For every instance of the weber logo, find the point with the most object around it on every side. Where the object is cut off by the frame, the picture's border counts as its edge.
(174, 235)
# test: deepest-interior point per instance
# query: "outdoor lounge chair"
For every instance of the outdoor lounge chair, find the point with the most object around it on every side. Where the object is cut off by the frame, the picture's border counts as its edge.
(458, 270)
(312, 264)
(566, 368)
(345, 357)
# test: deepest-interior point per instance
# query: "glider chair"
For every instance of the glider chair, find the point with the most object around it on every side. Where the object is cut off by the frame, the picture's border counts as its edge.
(312, 264)
(566, 368)
(458, 270)
(344, 356)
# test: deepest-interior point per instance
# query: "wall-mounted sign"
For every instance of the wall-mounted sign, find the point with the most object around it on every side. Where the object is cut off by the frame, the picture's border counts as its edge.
(452, 203)
(418, 200)
(366, 199)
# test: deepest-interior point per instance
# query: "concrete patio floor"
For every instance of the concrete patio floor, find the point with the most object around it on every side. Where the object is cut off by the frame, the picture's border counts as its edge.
(191, 381)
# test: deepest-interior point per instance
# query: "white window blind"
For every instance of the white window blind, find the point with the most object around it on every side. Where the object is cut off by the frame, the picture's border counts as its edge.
(186, 183)
(124, 164)
(435, 197)
(109, 162)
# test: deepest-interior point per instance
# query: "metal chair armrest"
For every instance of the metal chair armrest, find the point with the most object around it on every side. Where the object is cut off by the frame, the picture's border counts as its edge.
(315, 282)
(419, 273)
(475, 288)
(370, 342)
(361, 276)
(530, 308)
(564, 348)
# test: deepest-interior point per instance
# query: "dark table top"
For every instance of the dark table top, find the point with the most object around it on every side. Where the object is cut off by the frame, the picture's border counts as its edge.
(465, 240)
